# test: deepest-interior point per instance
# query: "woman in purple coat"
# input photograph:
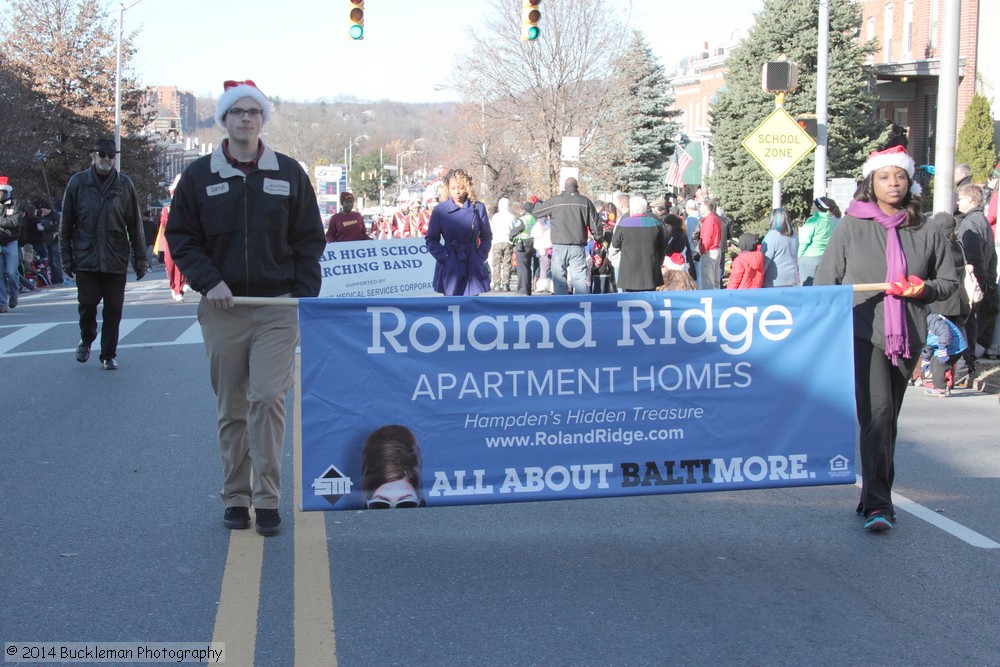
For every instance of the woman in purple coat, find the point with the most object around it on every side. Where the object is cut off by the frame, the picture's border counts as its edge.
(459, 238)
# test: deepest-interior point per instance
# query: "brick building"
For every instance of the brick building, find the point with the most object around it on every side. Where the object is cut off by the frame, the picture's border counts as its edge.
(695, 84)
(907, 68)
(908, 64)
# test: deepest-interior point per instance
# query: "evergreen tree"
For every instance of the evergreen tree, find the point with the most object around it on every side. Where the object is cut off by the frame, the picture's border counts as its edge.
(64, 52)
(643, 129)
(975, 139)
(789, 28)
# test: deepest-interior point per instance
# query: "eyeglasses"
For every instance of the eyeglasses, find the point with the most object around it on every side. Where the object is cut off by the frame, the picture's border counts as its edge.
(105, 154)
(239, 112)
(379, 504)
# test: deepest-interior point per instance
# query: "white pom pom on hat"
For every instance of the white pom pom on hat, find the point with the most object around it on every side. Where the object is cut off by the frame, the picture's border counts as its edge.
(890, 157)
(235, 91)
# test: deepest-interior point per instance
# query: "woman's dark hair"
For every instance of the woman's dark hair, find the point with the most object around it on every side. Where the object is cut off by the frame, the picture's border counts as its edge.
(911, 202)
(828, 205)
(390, 454)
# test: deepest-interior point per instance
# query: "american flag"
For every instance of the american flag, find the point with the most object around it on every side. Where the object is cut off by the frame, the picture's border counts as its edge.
(679, 162)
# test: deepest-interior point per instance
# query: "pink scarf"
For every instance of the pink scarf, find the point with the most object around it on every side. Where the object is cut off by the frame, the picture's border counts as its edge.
(897, 343)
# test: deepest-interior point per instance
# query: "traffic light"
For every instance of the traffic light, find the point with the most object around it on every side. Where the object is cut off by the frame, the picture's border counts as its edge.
(807, 122)
(357, 18)
(529, 20)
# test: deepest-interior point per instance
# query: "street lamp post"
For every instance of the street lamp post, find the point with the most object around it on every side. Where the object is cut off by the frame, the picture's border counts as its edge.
(350, 157)
(118, 83)
(399, 171)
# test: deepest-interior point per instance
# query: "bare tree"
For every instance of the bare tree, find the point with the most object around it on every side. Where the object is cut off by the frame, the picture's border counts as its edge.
(540, 91)
(64, 51)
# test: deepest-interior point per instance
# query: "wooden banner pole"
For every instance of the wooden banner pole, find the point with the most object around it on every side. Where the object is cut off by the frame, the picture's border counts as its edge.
(289, 301)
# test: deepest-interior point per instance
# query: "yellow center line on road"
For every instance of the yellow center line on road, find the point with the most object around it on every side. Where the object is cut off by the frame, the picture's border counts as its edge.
(236, 618)
(315, 638)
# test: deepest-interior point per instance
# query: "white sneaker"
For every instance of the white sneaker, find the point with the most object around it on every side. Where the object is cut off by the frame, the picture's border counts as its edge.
(177, 296)
(186, 289)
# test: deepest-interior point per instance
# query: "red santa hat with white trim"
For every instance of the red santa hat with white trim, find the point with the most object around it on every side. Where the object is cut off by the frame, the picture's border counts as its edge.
(675, 261)
(234, 91)
(5, 184)
(890, 157)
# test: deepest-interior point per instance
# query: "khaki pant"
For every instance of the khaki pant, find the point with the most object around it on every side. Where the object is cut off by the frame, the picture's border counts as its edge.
(251, 354)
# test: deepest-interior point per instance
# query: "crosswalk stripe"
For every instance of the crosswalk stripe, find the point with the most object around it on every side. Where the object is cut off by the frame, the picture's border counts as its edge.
(22, 335)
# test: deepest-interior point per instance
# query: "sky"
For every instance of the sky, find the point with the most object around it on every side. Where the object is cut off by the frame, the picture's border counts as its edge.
(299, 50)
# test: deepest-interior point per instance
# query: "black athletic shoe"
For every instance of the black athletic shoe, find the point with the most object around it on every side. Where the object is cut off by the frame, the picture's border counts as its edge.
(110, 364)
(236, 518)
(82, 352)
(268, 522)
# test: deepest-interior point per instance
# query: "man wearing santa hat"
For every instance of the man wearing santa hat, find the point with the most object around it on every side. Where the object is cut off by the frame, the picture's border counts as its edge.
(244, 222)
(347, 224)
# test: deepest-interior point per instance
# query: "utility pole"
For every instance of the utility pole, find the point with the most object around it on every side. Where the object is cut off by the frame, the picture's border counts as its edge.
(822, 82)
(947, 117)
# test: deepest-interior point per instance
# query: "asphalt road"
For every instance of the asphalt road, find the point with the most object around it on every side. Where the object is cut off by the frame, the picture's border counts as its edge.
(110, 531)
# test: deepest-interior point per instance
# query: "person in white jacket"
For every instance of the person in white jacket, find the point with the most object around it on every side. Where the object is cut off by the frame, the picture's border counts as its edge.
(500, 254)
(542, 234)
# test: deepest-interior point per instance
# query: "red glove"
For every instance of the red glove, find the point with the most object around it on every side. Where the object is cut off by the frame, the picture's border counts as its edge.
(912, 288)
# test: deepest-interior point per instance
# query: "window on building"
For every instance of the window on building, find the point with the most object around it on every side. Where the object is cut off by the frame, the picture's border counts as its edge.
(908, 30)
(887, 34)
(935, 12)
(870, 35)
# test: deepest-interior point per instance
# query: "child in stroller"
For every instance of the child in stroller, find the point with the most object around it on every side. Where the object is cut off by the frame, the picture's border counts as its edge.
(34, 268)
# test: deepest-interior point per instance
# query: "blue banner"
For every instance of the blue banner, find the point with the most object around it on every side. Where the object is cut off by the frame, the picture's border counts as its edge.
(457, 400)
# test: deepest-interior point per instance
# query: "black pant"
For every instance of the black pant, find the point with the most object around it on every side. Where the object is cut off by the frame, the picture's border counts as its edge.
(92, 287)
(879, 389)
(971, 334)
(525, 261)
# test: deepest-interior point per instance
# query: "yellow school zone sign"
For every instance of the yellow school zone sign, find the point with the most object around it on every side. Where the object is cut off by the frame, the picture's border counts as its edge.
(779, 143)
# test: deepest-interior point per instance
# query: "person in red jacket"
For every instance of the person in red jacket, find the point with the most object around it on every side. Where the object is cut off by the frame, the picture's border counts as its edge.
(747, 271)
(993, 183)
(348, 224)
(710, 240)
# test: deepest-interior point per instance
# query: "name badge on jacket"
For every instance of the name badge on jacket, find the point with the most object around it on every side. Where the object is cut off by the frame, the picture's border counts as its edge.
(218, 189)
(281, 188)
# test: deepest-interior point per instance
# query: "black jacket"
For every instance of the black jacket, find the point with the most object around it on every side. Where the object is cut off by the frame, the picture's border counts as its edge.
(100, 224)
(976, 237)
(572, 215)
(260, 232)
(11, 216)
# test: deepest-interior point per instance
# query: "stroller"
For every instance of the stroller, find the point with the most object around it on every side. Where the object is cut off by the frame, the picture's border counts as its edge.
(35, 269)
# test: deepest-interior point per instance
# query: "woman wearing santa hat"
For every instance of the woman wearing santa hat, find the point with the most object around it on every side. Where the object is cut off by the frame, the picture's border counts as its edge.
(883, 238)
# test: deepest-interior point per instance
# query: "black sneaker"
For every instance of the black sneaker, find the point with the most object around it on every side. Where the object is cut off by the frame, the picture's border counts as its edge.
(268, 522)
(12, 302)
(110, 364)
(82, 352)
(236, 518)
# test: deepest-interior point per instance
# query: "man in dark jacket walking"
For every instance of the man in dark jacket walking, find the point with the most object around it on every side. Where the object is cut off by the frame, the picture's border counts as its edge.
(101, 223)
(572, 216)
(244, 222)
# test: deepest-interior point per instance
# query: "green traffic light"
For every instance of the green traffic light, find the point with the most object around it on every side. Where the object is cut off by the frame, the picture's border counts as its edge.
(533, 32)
(357, 32)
